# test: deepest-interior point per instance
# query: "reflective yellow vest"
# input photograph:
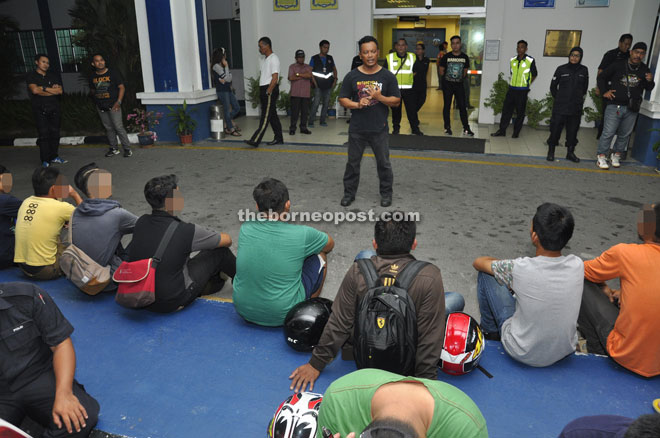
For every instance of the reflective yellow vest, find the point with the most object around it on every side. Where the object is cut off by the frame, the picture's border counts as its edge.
(405, 74)
(521, 75)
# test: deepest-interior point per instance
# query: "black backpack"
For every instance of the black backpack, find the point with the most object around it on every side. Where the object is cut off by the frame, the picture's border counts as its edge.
(385, 334)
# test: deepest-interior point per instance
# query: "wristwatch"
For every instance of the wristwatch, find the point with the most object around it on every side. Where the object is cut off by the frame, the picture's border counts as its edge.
(297, 74)
(119, 101)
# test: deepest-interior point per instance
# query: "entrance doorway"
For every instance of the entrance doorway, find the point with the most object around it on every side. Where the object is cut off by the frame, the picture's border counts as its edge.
(433, 31)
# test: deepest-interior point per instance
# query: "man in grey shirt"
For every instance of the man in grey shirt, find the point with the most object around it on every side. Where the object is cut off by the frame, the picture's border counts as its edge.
(532, 303)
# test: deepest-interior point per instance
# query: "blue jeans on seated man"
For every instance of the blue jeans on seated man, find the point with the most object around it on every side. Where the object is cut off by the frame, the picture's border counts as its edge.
(496, 303)
(454, 302)
(312, 274)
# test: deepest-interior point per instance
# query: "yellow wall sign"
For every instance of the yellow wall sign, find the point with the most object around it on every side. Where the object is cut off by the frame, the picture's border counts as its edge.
(324, 4)
(286, 5)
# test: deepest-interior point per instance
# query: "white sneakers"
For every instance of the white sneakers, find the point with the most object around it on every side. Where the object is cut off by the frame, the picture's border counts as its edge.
(615, 159)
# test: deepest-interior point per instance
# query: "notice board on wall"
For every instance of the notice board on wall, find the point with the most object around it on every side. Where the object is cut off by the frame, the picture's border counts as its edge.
(432, 38)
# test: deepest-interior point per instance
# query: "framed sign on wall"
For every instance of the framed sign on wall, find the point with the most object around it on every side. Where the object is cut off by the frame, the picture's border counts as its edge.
(560, 42)
(320, 5)
(286, 5)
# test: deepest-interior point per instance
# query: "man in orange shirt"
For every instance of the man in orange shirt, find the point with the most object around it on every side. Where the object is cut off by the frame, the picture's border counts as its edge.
(624, 323)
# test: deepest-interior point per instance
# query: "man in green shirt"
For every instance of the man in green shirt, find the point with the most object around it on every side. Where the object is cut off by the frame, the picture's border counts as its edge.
(371, 400)
(278, 264)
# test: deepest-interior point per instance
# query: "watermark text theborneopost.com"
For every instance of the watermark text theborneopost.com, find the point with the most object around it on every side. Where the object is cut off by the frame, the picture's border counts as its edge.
(335, 217)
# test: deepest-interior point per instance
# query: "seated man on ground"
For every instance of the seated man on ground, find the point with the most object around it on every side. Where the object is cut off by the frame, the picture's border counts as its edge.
(624, 324)
(279, 264)
(613, 426)
(376, 402)
(39, 224)
(99, 223)
(38, 363)
(179, 278)
(393, 241)
(532, 303)
(9, 206)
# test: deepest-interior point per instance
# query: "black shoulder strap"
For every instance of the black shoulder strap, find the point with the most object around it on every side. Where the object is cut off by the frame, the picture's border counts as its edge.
(164, 242)
(369, 272)
(406, 277)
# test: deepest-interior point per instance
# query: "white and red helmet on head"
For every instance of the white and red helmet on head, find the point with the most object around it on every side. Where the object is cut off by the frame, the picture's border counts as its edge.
(296, 417)
(463, 345)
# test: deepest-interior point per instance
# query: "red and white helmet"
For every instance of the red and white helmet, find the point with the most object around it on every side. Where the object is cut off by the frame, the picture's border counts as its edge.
(296, 417)
(463, 346)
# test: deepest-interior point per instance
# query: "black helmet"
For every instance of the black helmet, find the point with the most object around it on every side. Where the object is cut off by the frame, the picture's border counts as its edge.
(305, 321)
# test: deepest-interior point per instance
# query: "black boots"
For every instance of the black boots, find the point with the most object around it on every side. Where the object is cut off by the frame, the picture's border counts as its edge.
(570, 155)
(551, 153)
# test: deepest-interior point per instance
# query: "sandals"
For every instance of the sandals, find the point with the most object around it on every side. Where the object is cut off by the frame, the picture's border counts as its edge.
(233, 132)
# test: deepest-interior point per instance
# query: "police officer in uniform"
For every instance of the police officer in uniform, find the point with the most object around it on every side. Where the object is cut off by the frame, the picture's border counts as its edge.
(38, 363)
(400, 63)
(523, 73)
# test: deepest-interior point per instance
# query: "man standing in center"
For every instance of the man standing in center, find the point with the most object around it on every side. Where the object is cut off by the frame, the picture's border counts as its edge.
(400, 63)
(269, 90)
(368, 91)
(453, 68)
(300, 76)
(523, 73)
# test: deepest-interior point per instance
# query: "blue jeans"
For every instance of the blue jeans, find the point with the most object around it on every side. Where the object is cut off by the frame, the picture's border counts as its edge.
(454, 302)
(618, 120)
(496, 303)
(318, 95)
(230, 107)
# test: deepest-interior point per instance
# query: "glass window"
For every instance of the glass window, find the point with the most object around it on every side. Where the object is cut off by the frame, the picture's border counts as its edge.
(393, 4)
(27, 43)
(390, 4)
(71, 55)
(458, 3)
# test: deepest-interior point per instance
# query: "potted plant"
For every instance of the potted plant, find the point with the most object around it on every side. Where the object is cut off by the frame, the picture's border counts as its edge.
(332, 102)
(141, 121)
(252, 93)
(656, 149)
(284, 102)
(495, 100)
(183, 123)
(591, 114)
(539, 111)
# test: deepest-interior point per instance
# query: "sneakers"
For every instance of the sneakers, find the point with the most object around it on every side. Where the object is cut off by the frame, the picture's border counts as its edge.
(602, 162)
(323, 124)
(59, 160)
(468, 133)
(310, 125)
(615, 159)
(112, 152)
(45, 164)
(128, 153)
(448, 131)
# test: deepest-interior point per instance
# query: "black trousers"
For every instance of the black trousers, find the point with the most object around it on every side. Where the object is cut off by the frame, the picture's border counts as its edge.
(457, 91)
(420, 98)
(204, 270)
(299, 107)
(409, 99)
(557, 123)
(36, 399)
(48, 126)
(514, 100)
(379, 143)
(268, 114)
(597, 317)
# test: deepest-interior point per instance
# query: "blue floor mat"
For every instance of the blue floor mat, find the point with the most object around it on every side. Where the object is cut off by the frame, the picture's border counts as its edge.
(204, 372)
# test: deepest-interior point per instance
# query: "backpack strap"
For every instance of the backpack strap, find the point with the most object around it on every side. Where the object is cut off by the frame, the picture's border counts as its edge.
(406, 277)
(164, 242)
(369, 272)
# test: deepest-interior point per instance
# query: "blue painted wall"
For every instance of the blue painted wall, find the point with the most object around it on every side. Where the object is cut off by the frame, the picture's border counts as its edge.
(200, 112)
(644, 139)
(159, 18)
(201, 39)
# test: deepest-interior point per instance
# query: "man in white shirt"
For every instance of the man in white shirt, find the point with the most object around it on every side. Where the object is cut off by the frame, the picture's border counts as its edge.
(269, 91)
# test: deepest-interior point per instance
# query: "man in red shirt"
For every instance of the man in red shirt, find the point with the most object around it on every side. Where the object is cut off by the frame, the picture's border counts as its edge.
(624, 323)
(300, 75)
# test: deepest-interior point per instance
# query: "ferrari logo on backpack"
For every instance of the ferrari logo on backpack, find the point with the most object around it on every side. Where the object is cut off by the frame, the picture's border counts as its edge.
(381, 322)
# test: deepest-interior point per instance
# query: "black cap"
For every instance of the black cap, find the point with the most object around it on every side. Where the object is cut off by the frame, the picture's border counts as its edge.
(300, 53)
(640, 45)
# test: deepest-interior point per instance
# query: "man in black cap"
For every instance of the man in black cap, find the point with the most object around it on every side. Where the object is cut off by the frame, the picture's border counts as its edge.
(568, 88)
(300, 75)
(38, 363)
(628, 78)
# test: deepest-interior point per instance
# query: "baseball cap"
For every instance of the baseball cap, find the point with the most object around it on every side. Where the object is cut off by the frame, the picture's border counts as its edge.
(300, 53)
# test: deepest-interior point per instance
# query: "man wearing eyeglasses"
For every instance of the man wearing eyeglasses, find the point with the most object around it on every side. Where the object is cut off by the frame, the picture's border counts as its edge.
(383, 404)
